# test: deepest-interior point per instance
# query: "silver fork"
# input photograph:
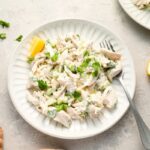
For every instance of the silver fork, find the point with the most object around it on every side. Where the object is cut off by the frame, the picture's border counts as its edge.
(143, 128)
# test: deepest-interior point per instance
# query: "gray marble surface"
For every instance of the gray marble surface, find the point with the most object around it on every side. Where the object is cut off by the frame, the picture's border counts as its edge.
(24, 16)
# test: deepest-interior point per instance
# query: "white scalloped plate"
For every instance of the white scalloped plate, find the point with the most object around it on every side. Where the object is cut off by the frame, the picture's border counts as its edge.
(18, 76)
(142, 17)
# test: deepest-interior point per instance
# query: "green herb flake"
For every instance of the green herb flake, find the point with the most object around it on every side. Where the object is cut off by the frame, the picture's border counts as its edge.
(80, 69)
(47, 54)
(76, 95)
(97, 67)
(86, 62)
(53, 45)
(30, 60)
(54, 58)
(4, 24)
(68, 94)
(86, 53)
(51, 113)
(62, 106)
(73, 69)
(2, 36)
(42, 85)
(95, 73)
(19, 38)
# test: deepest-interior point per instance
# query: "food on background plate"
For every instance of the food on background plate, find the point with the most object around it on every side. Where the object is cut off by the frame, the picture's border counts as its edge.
(142, 4)
(1, 139)
(70, 79)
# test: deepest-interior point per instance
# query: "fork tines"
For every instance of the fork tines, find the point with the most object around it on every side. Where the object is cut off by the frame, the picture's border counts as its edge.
(106, 44)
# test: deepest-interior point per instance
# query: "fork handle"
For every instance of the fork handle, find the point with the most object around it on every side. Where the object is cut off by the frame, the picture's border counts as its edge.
(143, 128)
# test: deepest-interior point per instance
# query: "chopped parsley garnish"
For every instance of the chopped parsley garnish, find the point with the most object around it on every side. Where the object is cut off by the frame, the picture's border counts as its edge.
(62, 106)
(51, 113)
(95, 73)
(19, 38)
(97, 67)
(30, 59)
(86, 53)
(86, 62)
(42, 85)
(76, 95)
(73, 69)
(53, 45)
(68, 94)
(80, 69)
(2, 36)
(54, 58)
(47, 54)
(4, 24)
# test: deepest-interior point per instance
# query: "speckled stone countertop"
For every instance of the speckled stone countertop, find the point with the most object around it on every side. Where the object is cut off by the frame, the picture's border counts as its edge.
(24, 16)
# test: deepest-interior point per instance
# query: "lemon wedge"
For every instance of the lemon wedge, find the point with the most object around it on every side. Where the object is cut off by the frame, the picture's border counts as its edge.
(148, 69)
(37, 46)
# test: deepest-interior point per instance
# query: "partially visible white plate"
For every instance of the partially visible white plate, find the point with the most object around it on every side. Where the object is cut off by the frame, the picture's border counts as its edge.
(142, 17)
(18, 77)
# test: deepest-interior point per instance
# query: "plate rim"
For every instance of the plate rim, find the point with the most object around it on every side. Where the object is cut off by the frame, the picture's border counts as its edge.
(132, 17)
(34, 125)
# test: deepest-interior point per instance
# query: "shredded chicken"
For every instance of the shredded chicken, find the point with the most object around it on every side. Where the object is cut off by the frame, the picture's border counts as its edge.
(63, 118)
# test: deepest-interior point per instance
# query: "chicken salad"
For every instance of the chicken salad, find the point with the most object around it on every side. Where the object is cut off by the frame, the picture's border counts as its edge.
(70, 79)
